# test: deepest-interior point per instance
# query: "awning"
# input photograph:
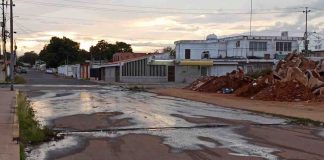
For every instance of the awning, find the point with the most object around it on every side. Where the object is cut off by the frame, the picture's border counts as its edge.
(196, 63)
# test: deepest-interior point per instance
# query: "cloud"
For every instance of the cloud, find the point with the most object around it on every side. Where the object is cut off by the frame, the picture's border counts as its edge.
(153, 30)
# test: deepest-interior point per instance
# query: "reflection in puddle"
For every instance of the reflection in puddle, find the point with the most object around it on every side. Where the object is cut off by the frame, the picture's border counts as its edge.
(180, 140)
(148, 110)
(86, 105)
(321, 133)
(41, 152)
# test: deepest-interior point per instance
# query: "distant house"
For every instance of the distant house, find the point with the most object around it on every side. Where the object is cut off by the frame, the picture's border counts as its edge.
(85, 70)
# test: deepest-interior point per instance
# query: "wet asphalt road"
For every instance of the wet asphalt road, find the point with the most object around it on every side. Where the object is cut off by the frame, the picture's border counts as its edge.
(108, 122)
(40, 78)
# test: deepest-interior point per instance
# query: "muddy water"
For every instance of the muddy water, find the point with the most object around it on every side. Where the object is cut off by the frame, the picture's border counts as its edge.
(146, 111)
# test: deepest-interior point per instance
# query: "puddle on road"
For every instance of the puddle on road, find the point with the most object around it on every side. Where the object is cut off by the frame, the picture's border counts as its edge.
(148, 110)
(41, 152)
(178, 139)
(321, 133)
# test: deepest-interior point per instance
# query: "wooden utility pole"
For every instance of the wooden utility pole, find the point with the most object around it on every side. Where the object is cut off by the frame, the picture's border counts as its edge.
(306, 42)
(4, 38)
(11, 47)
(3, 25)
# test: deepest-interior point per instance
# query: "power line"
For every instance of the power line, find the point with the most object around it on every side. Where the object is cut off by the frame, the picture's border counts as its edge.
(149, 12)
(168, 8)
(28, 16)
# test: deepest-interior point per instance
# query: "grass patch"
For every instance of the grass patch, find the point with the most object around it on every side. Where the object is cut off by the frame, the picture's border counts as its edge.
(306, 122)
(19, 80)
(30, 131)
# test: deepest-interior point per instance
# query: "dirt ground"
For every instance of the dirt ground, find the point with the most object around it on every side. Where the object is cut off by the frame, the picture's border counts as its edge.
(308, 110)
(292, 141)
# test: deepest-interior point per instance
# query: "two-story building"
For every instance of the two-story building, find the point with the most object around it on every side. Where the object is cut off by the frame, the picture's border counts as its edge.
(218, 56)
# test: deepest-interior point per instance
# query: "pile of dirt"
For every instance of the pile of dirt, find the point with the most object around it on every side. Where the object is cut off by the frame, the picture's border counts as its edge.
(286, 91)
(294, 78)
(255, 87)
(234, 80)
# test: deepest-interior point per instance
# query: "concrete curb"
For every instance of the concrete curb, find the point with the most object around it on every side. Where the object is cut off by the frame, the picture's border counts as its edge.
(16, 121)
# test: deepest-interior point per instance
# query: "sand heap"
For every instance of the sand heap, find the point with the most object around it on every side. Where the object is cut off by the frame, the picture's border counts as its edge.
(294, 79)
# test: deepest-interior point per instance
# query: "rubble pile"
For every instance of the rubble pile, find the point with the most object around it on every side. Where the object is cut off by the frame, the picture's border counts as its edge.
(255, 87)
(233, 81)
(294, 78)
(285, 91)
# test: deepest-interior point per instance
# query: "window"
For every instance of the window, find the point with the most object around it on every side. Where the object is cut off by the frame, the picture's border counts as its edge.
(204, 71)
(205, 55)
(238, 44)
(283, 46)
(187, 54)
(258, 46)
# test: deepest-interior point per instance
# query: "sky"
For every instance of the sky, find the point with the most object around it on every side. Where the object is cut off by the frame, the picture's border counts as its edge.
(149, 25)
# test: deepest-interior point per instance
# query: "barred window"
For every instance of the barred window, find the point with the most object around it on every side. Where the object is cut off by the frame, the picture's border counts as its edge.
(283, 46)
(258, 46)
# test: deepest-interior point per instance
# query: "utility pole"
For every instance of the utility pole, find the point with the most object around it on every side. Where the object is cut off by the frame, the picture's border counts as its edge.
(251, 17)
(4, 37)
(306, 41)
(11, 47)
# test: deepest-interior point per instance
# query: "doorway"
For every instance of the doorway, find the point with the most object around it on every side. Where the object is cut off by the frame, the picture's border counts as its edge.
(171, 73)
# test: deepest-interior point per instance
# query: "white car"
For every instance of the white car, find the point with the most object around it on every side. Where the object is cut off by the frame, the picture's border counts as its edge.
(49, 71)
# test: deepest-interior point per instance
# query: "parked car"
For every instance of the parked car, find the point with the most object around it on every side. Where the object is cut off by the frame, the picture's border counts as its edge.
(21, 70)
(49, 71)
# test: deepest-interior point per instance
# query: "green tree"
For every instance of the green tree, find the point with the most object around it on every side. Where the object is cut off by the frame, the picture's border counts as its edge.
(123, 47)
(83, 56)
(60, 51)
(105, 51)
(28, 57)
(101, 51)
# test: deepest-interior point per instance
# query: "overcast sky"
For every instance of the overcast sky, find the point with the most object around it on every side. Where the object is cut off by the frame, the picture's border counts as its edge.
(152, 24)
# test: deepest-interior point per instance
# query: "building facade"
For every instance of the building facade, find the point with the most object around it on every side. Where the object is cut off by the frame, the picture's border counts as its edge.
(148, 69)
(216, 57)
(251, 47)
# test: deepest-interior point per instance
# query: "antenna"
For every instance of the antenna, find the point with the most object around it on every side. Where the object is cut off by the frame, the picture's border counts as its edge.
(251, 17)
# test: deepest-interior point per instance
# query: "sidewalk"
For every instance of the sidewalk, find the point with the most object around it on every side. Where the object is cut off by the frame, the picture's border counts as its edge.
(9, 149)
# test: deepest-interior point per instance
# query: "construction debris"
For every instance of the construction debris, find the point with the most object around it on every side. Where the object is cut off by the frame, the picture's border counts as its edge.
(293, 79)
(285, 91)
(231, 81)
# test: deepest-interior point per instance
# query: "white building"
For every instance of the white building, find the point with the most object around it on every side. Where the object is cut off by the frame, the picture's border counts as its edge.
(216, 57)
(69, 71)
(264, 47)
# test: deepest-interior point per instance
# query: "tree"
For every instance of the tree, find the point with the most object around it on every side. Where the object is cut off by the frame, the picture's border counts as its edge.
(83, 56)
(105, 51)
(28, 57)
(123, 47)
(101, 51)
(169, 50)
(60, 51)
